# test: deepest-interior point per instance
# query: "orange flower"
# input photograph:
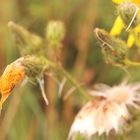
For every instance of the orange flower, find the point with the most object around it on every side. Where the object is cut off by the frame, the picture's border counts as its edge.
(11, 76)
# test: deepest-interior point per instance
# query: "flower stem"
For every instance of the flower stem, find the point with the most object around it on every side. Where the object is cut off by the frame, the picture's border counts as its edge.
(121, 137)
(104, 137)
(131, 63)
(70, 78)
(74, 82)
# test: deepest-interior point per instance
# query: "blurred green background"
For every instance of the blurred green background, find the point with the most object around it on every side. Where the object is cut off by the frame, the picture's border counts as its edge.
(25, 115)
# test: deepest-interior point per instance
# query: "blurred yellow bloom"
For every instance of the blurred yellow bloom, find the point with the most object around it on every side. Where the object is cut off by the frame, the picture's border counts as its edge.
(11, 76)
(131, 40)
(134, 36)
(120, 1)
(119, 25)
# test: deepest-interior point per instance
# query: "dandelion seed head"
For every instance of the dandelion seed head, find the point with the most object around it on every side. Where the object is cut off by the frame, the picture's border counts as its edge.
(124, 93)
(99, 117)
(106, 114)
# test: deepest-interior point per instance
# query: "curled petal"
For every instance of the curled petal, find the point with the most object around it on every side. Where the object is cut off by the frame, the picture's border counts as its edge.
(11, 76)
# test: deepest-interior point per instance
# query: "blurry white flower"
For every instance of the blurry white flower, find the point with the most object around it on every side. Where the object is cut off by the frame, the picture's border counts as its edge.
(124, 94)
(109, 112)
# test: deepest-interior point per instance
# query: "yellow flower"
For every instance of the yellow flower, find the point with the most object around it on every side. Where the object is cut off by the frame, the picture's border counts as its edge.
(120, 1)
(11, 76)
(119, 25)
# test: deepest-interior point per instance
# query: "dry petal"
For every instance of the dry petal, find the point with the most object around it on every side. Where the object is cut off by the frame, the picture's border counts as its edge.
(11, 76)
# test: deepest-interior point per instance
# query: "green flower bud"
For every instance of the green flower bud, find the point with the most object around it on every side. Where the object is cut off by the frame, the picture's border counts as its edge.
(55, 32)
(128, 12)
(35, 66)
(114, 50)
(28, 43)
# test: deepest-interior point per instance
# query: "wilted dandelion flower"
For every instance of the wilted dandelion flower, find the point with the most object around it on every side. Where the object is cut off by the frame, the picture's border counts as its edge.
(108, 113)
(13, 73)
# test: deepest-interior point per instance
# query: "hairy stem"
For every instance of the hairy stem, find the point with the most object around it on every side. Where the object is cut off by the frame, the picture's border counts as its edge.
(70, 78)
(121, 137)
(73, 82)
(131, 63)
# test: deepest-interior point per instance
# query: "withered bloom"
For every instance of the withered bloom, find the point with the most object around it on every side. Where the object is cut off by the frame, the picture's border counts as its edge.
(108, 113)
(13, 74)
